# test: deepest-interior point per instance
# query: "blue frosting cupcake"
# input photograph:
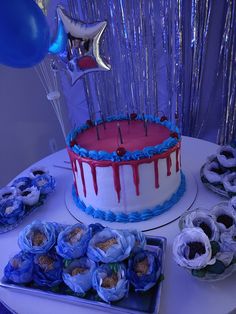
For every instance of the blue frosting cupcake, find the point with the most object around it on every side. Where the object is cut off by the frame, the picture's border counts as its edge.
(8, 192)
(110, 282)
(47, 270)
(78, 275)
(144, 270)
(20, 268)
(37, 237)
(11, 210)
(73, 241)
(109, 246)
(22, 183)
(45, 183)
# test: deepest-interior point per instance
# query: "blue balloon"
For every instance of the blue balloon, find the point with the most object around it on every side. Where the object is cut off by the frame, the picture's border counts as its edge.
(24, 33)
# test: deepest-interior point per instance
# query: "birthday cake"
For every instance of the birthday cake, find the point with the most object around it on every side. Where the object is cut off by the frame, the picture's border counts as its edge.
(126, 169)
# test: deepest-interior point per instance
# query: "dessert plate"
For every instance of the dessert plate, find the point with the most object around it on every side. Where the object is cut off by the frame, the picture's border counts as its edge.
(136, 303)
(156, 222)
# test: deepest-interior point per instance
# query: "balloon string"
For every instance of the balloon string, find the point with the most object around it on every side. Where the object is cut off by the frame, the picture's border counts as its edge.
(49, 82)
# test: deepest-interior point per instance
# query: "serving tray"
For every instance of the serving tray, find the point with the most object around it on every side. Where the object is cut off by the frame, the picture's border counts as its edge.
(136, 303)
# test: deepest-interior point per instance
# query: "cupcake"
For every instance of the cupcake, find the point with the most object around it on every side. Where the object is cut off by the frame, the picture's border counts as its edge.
(213, 172)
(144, 270)
(229, 183)
(109, 246)
(37, 237)
(11, 211)
(47, 270)
(110, 282)
(225, 217)
(73, 241)
(192, 249)
(37, 171)
(228, 241)
(8, 192)
(22, 183)
(30, 196)
(95, 228)
(203, 219)
(45, 183)
(232, 203)
(140, 239)
(20, 268)
(78, 275)
(226, 156)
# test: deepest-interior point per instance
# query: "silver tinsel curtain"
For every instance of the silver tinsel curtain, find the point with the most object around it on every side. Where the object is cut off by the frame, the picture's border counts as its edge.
(172, 57)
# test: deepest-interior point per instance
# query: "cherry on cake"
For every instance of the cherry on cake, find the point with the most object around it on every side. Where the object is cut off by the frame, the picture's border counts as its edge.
(128, 171)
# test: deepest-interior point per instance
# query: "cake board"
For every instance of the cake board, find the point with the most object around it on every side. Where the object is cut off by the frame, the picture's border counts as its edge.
(169, 216)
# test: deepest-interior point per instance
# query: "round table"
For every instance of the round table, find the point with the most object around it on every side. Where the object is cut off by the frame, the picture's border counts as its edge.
(181, 292)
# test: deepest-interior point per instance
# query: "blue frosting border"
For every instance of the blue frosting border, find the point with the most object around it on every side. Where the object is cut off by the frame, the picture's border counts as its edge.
(134, 216)
(147, 152)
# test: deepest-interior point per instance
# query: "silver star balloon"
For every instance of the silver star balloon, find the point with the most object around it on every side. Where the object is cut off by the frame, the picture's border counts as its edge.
(77, 46)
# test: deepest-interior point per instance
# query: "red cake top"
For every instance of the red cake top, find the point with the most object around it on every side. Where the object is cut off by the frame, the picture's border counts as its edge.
(133, 135)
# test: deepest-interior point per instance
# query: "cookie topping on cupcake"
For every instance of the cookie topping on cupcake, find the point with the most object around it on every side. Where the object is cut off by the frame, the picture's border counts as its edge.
(110, 281)
(106, 244)
(38, 238)
(75, 235)
(141, 267)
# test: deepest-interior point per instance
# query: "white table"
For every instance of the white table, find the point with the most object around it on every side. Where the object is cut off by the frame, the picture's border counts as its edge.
(181, 293)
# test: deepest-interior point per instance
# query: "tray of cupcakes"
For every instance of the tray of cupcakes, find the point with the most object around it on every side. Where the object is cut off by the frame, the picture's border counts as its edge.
(206, 244)
(116, 270)
(24, 196)
(219, 172)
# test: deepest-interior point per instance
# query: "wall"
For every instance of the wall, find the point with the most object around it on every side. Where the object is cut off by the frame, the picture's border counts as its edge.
(29, 129)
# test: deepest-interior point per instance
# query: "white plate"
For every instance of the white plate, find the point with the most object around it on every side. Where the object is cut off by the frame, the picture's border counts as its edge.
(156, 222)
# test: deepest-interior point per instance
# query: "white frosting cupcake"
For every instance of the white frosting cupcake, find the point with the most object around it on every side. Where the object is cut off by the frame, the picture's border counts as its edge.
(213, 172)
(229, 182)
(226, 156)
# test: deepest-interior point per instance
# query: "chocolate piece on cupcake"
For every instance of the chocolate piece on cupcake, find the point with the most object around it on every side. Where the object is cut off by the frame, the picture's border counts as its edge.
(224, 216)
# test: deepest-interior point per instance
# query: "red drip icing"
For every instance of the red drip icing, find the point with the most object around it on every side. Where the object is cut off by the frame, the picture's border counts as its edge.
(73, 165)
(94, 175)
(116, 176)
(177, 159)
(82, 176)
(168, 164)
(156, 173)
(115, 166)
(136, 177)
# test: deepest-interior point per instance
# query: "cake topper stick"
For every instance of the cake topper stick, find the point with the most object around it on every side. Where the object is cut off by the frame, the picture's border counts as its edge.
(143, 120)
(97, 131)
(128, 118)
(103, 120)
(145, 127)
(119, 132)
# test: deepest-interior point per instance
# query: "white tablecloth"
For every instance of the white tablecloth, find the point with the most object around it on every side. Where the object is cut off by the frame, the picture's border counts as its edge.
(181, 293)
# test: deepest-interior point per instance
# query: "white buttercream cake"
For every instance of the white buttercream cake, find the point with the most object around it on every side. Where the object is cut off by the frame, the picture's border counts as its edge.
(126, 169)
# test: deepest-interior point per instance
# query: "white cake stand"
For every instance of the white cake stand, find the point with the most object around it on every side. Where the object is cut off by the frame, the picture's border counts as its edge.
(156, 222)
